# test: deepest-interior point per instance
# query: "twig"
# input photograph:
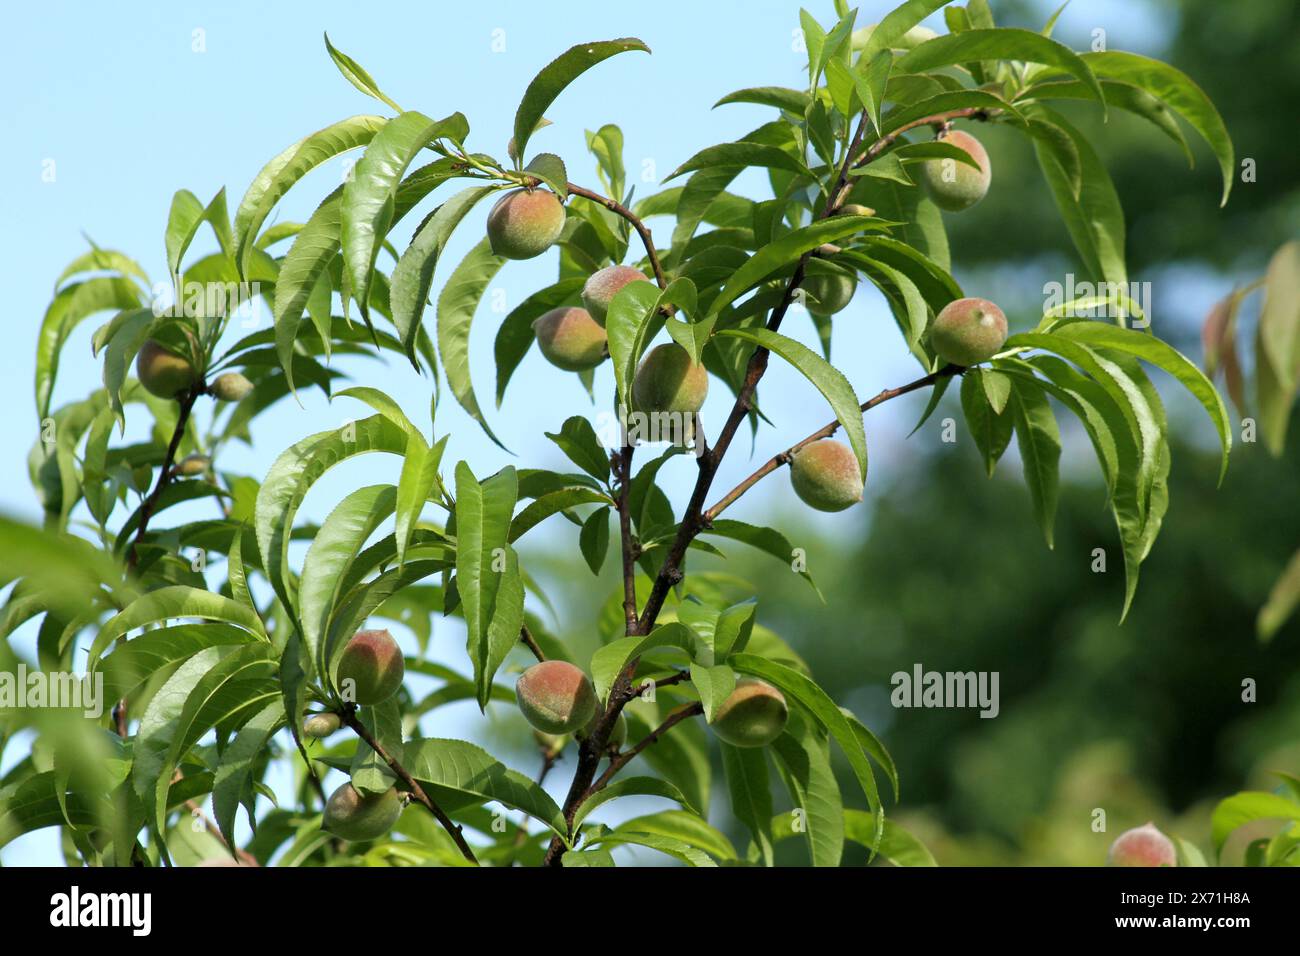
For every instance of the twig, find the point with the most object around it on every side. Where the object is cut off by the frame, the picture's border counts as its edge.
(350, 718)
(623, 470)
(784, 457)
(641, 228)
(526, 636)
(684, 712)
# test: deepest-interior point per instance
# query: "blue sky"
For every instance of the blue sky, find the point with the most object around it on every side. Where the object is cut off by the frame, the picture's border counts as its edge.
(134, 101)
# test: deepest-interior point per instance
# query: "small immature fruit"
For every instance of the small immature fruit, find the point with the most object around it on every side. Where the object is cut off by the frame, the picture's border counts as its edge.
(954, 185)
(1142, 846)
(669, 381)
(601, 287)
(570, 339)
(551, 743)
(191, 466)
(525, 223)
(356, 818)
(321, 725)
(373, 663)
(832, 292)
(231, 387)
(753, 716)
(161, 371)
(825, 475)
(968, 331)
(856, 209)
(556, 697)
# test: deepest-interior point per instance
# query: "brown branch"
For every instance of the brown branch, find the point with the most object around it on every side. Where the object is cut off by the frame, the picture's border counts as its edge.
(684, 712)
(784, 457)
(417, 792)
(526, 636)
(641, 228)
(623, 471)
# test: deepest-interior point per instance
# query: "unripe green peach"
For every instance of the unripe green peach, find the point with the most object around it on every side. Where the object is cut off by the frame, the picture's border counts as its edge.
(356, 818)
(669, 381)
(825, 475)
(192, 466)
(601, 287)
(830, 292)
(570, 339)
(556, 697)
(231, 387)
(551, 743)
(968, 331)
(954, 185)
(371, 667)
(321, 725)
(161, 371)
(1142, 846)
(753, 716)
(525, 223)
(856, 209)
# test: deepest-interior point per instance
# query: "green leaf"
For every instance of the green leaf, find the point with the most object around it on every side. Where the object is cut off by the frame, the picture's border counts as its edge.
(896, 23)
(672, 847)
(1132, 99)
(413, 274)
(132, 664)
(631, 311)
(593, 540)
(555, 76)
(1007, 43)
(295, 471)
(768, 540)
(803, 759)
(1039, 441)
(1277, 345)
(281, 173)
(785, 251)
(175, 601)
(335, 545)
(741, 155)
(783, 98)
(608, 662)
(685, 826)
(356, 74)
(1163, 356)
(835, 388)
(1246, 807)
(69, 307)
(897, 845)
(130, 334)
(990, 429)
(1090, 207)
(1283, 599)
(751, 794)
(577, 439)
(483, 514)
(715, 684)
(183, 222)
(552, 503)
(1173, 87)
(369, 195)
(457, 304)
(233, 782)
(461, 773)
(370, 774)
(630, 787)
